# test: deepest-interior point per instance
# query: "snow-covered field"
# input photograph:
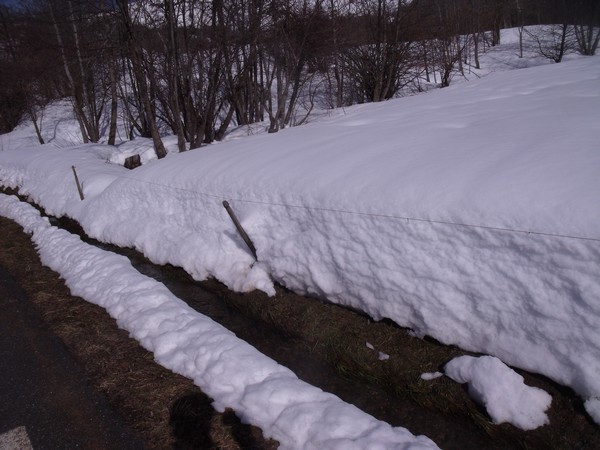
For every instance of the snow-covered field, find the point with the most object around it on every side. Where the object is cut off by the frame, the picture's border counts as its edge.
(469, 214)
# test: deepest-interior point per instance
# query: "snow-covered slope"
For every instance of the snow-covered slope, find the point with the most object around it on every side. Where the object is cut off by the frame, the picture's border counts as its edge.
(469, 214)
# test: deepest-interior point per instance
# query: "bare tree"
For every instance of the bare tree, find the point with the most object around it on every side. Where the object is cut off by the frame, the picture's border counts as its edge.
(80, 34)
(243, 36)
(384, 62)
(553, 41)
(586, 22)
(450, 41)
(29, 68)
(13, 105)
(293, 44)
(173, 68)
(335, 69)
(137, 66)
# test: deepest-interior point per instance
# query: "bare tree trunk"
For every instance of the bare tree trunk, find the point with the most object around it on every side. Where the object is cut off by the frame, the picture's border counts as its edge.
(476, 50)
(140, 76)
(277, 120)
(521, 32)
(496, 34)
(225, 124)
(297, 85)
(91, 124)
(77, 108)
(174, 78)
(112, 131)
(563, 43)
(337, 69)
(586, 41)
(34, 119)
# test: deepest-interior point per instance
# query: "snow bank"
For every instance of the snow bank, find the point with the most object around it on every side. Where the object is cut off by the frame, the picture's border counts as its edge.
(592, 406)
(501, 391)
(45, 174)
(232, 372)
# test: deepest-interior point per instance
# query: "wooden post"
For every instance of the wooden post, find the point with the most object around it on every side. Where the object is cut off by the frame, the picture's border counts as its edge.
(241, 230)
(78, 184)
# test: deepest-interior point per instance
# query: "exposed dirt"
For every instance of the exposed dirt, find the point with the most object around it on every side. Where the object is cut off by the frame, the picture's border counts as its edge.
(324, 344)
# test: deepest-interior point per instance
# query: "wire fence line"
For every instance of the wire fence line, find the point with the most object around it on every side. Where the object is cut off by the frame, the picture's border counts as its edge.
(365, 214)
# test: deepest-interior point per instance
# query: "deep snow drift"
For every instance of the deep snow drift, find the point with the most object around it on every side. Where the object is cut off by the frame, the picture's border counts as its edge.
(469, 214)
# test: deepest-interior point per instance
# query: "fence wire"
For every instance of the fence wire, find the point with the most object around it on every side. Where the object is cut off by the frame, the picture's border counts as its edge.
(366, 214)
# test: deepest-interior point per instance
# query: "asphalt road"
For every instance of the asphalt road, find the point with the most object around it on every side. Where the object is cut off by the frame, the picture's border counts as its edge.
(45, 398)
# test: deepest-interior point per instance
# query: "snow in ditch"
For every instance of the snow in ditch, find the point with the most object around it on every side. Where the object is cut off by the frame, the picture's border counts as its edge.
(232, 372)
(469, 214)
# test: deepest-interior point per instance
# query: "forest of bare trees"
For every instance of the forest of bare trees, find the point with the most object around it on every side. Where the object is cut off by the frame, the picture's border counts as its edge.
(193, 68)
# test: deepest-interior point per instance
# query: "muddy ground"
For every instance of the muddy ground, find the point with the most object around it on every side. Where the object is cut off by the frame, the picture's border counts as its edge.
(322, 343)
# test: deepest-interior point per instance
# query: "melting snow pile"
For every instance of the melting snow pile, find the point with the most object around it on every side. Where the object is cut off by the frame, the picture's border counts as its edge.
(592, 406)
(501, 390)
(469, 214)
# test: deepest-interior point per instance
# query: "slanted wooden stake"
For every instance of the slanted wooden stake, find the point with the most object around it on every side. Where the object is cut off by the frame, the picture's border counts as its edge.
(78, 184)
(242, 232)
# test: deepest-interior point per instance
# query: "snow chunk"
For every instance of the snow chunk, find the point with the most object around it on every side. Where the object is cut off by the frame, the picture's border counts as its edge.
(383, 356)
(501, 390)
(592, 406)
(428, 376)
